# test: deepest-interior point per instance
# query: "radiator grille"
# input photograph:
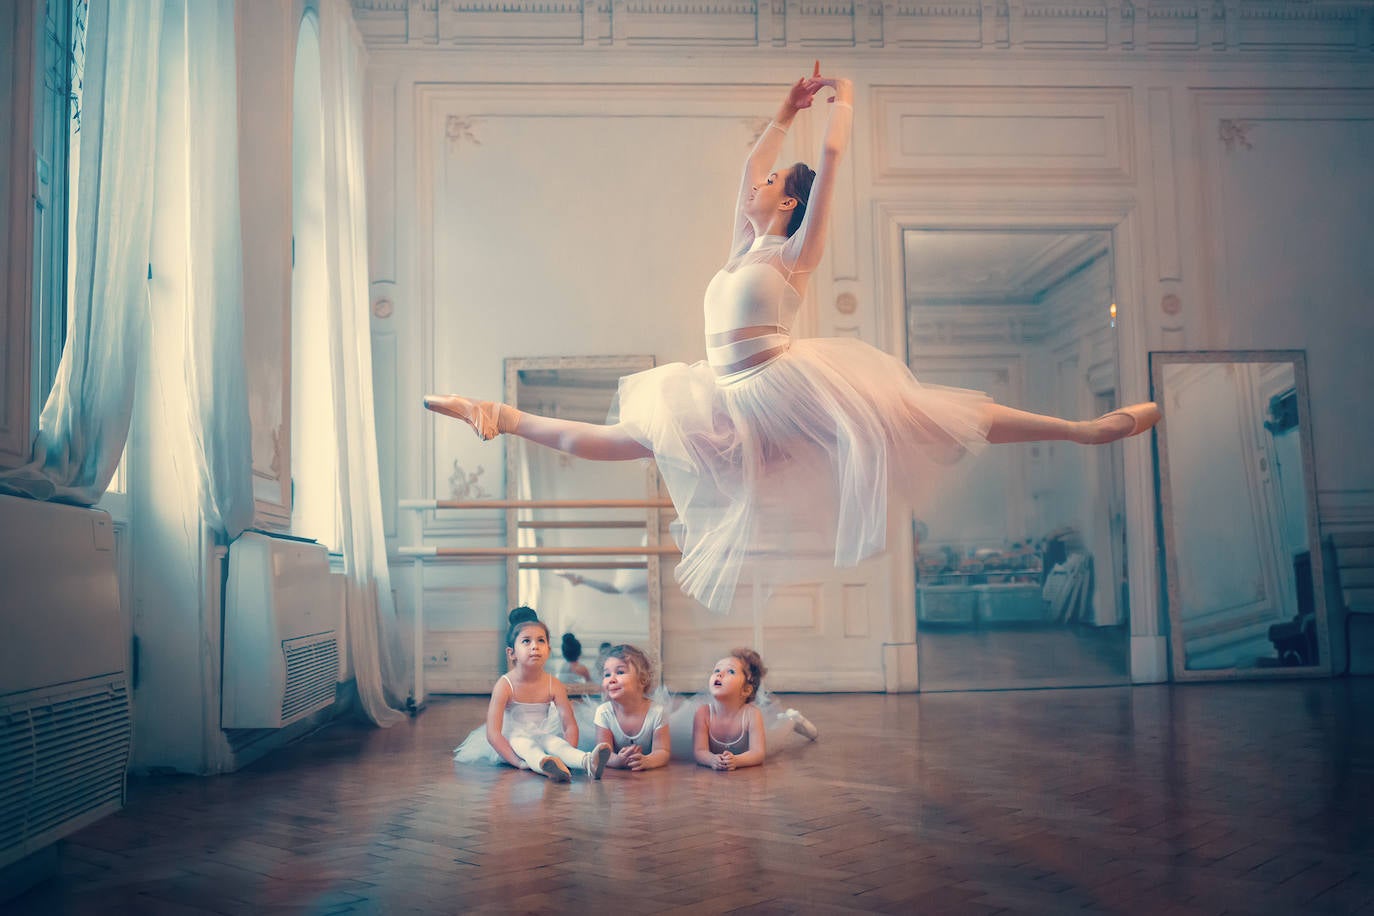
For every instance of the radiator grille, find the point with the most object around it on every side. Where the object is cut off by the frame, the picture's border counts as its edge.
(63, 755)
(312, 670)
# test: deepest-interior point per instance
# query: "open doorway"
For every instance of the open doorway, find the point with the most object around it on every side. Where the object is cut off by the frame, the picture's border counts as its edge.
(1020, 566)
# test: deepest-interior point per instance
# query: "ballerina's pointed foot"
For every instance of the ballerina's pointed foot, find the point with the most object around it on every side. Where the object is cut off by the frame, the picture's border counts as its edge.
(483, 416)
(1126, 422)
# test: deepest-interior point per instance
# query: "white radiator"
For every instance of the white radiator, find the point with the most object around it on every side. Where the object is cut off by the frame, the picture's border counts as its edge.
(281, 620)
(65, 725)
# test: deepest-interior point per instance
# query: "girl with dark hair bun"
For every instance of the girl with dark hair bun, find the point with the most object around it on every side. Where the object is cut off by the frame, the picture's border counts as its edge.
(778, 451)
(530, 723)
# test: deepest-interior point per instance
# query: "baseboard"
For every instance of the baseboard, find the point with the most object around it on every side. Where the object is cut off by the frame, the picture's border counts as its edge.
(1149, 659)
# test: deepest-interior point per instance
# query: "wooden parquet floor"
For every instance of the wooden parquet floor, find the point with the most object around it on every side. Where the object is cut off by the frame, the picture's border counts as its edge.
(1227, 798)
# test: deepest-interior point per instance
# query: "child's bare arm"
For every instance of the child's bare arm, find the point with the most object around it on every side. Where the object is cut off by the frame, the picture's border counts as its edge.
(663, 750)
(701, 738)
(757, 752)
(496, 717)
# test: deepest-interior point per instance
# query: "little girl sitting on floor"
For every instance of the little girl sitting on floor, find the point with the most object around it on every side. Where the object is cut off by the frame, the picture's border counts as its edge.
(635, 726)
(530, 723)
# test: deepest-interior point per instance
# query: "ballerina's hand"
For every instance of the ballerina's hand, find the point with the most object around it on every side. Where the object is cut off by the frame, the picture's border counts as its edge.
(802, 93)
(636, 758)
(725, 761)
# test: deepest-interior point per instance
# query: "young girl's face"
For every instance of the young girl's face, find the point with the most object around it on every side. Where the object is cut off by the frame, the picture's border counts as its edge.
(620, 680)
(727, 680)
(531, 648)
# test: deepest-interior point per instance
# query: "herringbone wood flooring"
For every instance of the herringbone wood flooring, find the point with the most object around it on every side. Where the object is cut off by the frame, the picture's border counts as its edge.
(1245, 798)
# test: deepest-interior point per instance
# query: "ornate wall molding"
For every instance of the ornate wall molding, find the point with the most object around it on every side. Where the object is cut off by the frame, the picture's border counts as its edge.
(1089, 25)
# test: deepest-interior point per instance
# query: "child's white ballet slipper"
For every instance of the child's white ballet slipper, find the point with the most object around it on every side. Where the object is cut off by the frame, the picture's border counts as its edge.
(802, 725)
(483, 416)
(595, 761)
(1143, 417)
(555, 769)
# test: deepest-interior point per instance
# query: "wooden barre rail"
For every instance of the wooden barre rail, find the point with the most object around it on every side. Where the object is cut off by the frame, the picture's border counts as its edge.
(576, 525)
(536, 504)
(574, 564)
(652, 550)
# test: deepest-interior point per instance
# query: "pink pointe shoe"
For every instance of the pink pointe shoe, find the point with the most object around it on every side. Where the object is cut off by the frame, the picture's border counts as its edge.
(555, 769)
(1143, 417)
(483, 416)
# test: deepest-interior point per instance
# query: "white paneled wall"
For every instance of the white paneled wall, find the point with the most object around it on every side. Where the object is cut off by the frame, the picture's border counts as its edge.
(576, 201)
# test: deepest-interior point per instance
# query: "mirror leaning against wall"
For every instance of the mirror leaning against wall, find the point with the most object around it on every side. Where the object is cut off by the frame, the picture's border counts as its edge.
(1239, 515)
(589, 603)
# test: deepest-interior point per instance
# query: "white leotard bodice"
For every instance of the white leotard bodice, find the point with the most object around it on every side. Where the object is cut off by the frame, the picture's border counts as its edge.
(644, 738)
(527, 718)
(736, 745)
(750, 306)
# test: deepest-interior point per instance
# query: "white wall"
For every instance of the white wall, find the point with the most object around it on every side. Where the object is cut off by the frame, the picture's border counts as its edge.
(575, 201)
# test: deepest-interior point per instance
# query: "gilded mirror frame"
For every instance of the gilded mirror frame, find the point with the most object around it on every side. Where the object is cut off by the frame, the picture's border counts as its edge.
(1159, 361)
(621, 365)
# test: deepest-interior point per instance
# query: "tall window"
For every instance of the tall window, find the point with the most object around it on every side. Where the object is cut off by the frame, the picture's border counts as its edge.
(314, 438)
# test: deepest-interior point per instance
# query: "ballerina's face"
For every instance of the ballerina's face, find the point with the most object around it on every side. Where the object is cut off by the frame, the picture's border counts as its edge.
(620, 681)
(766, 197)
(531, 647)
(727, 680)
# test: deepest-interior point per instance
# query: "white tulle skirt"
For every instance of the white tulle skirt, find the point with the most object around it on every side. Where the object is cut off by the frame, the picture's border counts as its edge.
(779, 726)
(791, 464)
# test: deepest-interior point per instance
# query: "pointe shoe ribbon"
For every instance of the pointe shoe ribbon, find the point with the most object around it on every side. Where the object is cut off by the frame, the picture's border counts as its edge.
(1143, 416)
(483, 416)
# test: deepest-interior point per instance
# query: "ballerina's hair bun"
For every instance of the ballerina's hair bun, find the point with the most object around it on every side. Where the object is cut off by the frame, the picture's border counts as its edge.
(753, 670)
(520, 618)
(572, 649)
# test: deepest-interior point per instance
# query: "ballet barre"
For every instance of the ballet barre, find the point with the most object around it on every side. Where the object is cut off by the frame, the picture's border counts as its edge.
(651, 550)
(536, 503)
(530, 557)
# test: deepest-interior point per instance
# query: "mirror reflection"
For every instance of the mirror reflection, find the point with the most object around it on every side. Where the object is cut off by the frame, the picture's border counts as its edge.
(589, 603)
(1243, 565)
(1021, 568)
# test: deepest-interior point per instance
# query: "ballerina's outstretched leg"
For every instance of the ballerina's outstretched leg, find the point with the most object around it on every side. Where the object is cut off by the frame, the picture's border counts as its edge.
(1007, 424)
(582, 440)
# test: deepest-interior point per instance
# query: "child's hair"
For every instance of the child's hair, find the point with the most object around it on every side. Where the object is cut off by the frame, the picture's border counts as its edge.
(636, 659)
(572, 649)
(753, 670)
(520, 618)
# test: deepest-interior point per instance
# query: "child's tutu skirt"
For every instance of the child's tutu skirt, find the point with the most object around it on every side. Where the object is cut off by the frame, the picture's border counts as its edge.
(779, 724)
(475, 748)
(789, 464)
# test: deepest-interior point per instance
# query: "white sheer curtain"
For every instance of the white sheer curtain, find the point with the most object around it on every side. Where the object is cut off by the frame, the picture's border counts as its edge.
(381, 665)
(197, 288)
(85, 422)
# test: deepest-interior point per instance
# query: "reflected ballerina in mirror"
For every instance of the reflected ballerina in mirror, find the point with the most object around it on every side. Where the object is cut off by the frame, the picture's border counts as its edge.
(778, 451)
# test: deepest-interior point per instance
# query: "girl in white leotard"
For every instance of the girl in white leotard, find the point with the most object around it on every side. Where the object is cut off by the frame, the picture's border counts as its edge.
(728, 730)
(633, 724)
(778, 451)
(530, 723)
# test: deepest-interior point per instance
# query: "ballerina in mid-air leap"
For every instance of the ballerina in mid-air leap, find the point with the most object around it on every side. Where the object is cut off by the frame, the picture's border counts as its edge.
(778, 450)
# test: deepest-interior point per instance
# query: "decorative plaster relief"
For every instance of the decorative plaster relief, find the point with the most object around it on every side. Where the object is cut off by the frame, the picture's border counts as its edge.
(466, 485)
(878, 24)
(459, 129)
(1235, 133)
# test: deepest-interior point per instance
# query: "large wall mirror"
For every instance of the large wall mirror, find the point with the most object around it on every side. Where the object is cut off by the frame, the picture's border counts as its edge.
(597, 601)
(1020, 564)
(1239, 512)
